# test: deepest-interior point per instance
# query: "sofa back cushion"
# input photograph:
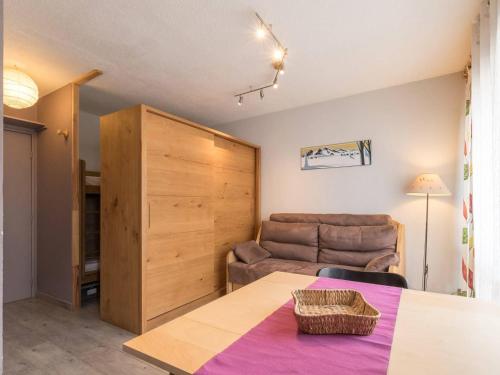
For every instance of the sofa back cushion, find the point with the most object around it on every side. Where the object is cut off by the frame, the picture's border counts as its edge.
(295, 241)
(333, 219)
(357, 238)
(355, 245)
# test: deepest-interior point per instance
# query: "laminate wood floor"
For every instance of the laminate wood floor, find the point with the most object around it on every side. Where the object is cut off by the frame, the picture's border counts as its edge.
(42, 338)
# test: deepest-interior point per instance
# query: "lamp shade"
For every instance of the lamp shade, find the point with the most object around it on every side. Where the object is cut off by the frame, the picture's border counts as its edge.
(19, 90)
(428, 183)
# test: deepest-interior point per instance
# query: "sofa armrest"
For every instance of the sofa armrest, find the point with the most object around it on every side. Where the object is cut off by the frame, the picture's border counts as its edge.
(230, 258)
(257, 238)
(400, 250)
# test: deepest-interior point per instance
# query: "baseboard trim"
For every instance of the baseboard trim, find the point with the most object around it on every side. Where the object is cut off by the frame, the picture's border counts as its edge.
(54, 300)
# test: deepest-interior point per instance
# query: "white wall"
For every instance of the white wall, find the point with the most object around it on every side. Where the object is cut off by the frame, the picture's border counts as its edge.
(89, 140)
(414, 128)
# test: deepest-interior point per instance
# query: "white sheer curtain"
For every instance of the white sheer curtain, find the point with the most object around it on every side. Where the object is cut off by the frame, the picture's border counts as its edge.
(486, 151)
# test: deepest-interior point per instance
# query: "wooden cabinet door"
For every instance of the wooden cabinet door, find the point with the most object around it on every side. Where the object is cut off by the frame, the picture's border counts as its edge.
(234, 200)
(179, 255)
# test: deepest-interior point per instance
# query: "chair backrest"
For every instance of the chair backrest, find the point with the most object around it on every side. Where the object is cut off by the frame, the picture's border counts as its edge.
(381, 278)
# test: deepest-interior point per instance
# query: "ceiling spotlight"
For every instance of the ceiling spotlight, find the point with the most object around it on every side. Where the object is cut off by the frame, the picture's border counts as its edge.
(275, 86)
(278, 54)
(261, 32)
(279, 65)
(261, 94)
(240, 100)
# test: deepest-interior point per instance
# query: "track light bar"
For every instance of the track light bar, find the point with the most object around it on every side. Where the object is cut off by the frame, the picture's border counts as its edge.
(270, 32)
(278, 61)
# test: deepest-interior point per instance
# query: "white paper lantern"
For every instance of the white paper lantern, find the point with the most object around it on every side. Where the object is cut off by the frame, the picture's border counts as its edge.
(19, 90)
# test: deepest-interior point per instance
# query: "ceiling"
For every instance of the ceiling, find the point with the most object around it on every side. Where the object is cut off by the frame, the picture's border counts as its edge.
(189, 57)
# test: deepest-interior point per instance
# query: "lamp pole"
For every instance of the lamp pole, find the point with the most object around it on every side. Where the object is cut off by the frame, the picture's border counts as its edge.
(427, 184)
(426, 267)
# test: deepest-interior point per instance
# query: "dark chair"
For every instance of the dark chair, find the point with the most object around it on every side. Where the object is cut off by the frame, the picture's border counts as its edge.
(382, 278)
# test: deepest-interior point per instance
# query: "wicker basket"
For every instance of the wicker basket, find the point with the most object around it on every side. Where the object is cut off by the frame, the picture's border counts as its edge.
(334, 311)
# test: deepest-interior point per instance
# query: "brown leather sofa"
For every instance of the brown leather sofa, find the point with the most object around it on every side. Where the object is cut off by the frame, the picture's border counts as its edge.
(305, 243)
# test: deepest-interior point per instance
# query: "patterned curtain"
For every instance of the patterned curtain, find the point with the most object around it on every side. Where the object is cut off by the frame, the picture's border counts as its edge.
(468, 220)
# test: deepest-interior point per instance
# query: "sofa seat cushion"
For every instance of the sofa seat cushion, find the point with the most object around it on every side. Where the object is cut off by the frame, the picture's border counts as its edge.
(242, 273)
(293, 241)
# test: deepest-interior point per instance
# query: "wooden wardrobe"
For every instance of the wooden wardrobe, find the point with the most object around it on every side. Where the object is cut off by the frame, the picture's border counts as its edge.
(174, 197)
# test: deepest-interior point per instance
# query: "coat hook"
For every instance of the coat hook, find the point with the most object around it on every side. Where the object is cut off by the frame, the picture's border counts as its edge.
(64, 133)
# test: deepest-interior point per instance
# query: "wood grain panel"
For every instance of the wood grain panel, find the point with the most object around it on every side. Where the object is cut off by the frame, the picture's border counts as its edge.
(235, 199)
(175, 284)
(232, 212)
(185, 122)
(179, 261)
(178, 269)
(230, 233)
(177, 177)
(180, 252)
(173, 248)
(234, 156)
(170, 215)
(121, 255)
(234, 185)
(179, 159)
(225, 238)
(178, 141)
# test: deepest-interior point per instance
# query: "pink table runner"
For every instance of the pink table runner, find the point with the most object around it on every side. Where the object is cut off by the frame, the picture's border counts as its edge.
(275, 346)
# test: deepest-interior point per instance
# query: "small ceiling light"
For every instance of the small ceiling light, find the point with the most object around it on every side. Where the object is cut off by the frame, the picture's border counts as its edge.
(240, 101)
(261, 32)
(279, 65)
(275, 86)
(261, 94)
(19, 90)
(278, 55)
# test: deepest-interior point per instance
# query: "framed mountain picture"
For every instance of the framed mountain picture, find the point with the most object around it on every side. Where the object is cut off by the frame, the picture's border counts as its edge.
(348, 154)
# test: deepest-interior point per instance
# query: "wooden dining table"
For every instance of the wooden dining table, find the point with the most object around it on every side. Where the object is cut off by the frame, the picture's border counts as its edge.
(433, 334)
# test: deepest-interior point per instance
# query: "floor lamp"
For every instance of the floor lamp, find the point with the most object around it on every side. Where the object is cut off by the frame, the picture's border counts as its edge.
(427, 185)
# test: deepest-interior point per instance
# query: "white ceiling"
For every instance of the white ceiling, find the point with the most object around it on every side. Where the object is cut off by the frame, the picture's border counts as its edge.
(189, 57)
